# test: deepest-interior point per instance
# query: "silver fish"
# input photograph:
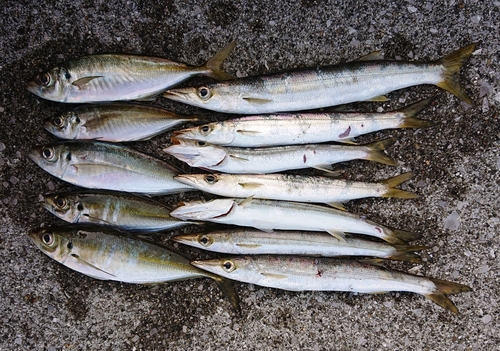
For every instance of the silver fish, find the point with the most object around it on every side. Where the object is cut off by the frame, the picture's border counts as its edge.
(329, 274)
(302, 128)
(267, 215)
(114, 122)
(325, 86)
(122, 211)
(274, 159)
(98, 165)
(109, 255)
(112, 77)
(289, 187)
(255, 242)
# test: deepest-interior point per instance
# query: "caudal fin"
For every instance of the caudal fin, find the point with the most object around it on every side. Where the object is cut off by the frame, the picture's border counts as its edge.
(227, 288)
(443, 288)
(409, 121)
(452, 64)
(213, 65)
(398, 236)
(407, 253)
(376, 151)
(393, 182)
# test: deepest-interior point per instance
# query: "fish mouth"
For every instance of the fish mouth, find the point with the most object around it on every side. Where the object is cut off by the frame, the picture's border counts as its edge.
(33, 87)
(185, 178)
(35, 153)
(186, 238)
(177, 95)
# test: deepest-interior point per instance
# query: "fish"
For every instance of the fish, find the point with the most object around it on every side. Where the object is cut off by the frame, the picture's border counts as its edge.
(256, 242)
(268, 215)
(122, 211)
(275, 159)
(321, 87)
(302, 128)
(329, 274)
(290, 187)
(113, 77)
(105, 254)
(116, 122)
(99, 165)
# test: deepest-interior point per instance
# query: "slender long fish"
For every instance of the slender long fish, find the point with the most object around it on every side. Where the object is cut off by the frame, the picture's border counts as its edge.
(104, 254)
(114, 122)
(289, 187)
(275, 159)
(122, 211)
(112, 77)
(324, 86)
(98, 165)
(329, 274)
(256, 242)
(302, 128)
(267, 215)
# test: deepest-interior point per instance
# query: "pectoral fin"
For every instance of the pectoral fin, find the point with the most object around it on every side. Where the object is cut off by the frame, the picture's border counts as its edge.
(381, 98)
(337, 234)
(247, 132)
(238, 158)
(337, 205)
(90, 264)
(253, 100)
(250, 185)
(82, 81)
(274, 275)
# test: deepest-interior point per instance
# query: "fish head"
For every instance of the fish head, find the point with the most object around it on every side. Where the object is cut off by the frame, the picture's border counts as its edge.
(201, 210)
(51, 158)
(64, 206)
(196, 153)
(217, 133)
(199, 240)
(54, 85)
(64, 126)
(52, 242)
(232, 268)
(206, 182)
(215, 97)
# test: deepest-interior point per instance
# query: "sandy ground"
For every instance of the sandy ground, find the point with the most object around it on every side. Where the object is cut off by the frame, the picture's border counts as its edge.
(48, 307)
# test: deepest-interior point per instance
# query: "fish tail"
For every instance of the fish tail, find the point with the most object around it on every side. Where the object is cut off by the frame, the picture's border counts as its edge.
(452, 64)
(443, 288)
(407, 253)
(398, 236)
(393, 182)
(376, 152)
(409, 120)
(213, 66)
(227, 288)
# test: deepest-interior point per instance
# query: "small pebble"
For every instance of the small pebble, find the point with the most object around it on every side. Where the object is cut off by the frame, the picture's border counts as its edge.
(486, 319)
(412, 9)
(2, 145)
(452, 222)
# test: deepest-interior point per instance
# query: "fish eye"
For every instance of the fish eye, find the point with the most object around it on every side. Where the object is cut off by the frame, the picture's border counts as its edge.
(228, 266)
(61, 202)
(48, 238)
(205, 240)
(205, 129)
(48, 153)
(58, 121)
(204, 93)
(211, 179)
(79, 207)
(67, 75)
(201, 143)
(45, 79)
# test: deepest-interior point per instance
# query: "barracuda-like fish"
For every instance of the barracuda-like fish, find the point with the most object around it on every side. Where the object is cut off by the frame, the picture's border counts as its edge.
(98, 165)
(255, 242)
(325, 86)
(327, 274)
(109, 255)
(289, 187)
(267, 215)
(275, 159)
(302, 128)
(119, 210)
(112, 77)
(114, 122)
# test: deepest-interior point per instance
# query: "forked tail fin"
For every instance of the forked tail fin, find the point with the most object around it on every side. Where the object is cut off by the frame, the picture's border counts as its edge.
(443, 288)
(409, 121)
(213, 65)
(376, 152)
(393, 182)
(452, 64)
